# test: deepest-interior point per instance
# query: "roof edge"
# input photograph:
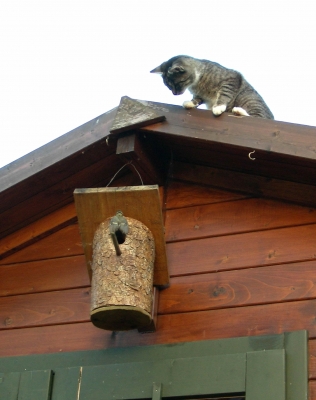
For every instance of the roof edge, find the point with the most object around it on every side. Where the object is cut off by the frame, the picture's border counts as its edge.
(56, 150)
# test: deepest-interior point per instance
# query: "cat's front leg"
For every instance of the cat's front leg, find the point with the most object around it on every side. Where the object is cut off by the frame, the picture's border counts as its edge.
(225, 94)
(218, 110)
(195, 102)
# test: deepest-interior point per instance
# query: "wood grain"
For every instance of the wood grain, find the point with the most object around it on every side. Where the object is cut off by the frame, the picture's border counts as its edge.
(59, 195)
(202, 124)
(186, 194)
(51, 308)
(122, 287)
(237, 288)
(276, 246)
(248, 183)
(233, 217)
(151, 164)
(175, 328)
(44, 275)
(133, 114)
(237, 159)
(45, 226)
(312, 390)
(242, 250)
(43, 168)
(50, 223)
(186, 294)
(312, 358)
(64, 243)
(66, 145)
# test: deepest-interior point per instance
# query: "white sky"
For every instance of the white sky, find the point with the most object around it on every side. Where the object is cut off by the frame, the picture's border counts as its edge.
(64, 62)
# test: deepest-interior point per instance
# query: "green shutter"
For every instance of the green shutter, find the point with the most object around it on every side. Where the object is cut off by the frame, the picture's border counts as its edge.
(9, 385)
(265, 378)
(268, 367)
(66, 383)
(27, 385)
(179, 377)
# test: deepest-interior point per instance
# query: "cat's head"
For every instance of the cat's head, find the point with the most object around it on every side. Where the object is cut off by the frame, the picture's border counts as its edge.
(178, 73)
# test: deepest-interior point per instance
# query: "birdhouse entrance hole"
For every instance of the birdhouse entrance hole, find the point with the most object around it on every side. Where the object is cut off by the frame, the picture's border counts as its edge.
(120, 238)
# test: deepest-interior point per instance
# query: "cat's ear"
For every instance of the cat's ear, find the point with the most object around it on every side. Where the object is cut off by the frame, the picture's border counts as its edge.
(175, 69)
(158, 70)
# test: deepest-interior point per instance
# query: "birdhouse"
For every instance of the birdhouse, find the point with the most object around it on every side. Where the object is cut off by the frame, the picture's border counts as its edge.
(123, 239)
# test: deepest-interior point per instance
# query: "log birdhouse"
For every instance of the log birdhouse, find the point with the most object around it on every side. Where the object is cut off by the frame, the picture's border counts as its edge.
(125, 254)
(122, 284)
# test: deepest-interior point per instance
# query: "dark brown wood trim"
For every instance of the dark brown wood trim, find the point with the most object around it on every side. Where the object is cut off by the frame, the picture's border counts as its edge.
(282, 138)
(247, 183)
(56, 151)
(150, 166)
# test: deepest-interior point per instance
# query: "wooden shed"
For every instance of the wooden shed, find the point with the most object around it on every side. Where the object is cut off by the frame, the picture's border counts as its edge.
(238, 316)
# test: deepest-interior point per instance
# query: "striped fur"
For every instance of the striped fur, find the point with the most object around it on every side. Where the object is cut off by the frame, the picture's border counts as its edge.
(220, 88)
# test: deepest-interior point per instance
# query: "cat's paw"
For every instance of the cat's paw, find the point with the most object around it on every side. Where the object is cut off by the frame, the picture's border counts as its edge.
(218, 110)
(240, 111)
(189, 104)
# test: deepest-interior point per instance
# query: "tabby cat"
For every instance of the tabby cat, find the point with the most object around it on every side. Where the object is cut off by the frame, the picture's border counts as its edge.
(219, 88)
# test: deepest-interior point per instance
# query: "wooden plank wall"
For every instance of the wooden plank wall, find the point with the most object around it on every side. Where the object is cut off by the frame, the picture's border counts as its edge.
(239, 266)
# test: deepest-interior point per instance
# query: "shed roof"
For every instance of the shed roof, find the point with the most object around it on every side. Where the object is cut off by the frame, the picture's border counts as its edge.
(283, 163)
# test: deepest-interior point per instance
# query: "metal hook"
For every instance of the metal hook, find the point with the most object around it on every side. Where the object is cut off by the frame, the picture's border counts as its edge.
(249, 155)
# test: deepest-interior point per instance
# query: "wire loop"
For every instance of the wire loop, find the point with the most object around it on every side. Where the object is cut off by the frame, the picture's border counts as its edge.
(128, 163)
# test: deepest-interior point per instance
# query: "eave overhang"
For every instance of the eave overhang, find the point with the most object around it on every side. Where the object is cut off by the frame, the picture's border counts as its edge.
(278, 154)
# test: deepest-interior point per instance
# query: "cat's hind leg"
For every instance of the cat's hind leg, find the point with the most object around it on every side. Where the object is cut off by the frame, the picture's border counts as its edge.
(240, 111)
